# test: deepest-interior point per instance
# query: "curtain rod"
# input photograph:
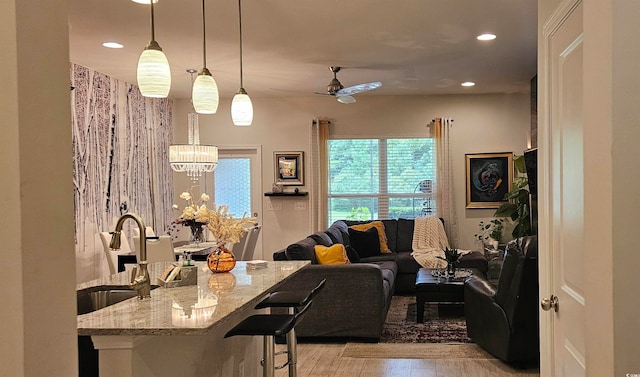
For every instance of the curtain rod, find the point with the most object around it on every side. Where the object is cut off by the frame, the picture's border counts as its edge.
(433, 120)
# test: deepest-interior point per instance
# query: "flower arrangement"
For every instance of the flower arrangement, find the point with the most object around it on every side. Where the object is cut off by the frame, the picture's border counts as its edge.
(194, 215)
(224, 227)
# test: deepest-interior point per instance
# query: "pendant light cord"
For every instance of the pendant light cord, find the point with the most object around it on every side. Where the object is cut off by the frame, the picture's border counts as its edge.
(153, 32)
(240, 21)
(204, 38)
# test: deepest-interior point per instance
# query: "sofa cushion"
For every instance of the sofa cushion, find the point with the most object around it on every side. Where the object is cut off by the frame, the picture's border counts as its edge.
(365, 243)
(352, 254)
(302, 250)
(389, 271)
(407, 264)
(323, 239)
(384, 247)
(335, 254)
(380, 258)
(405, 235)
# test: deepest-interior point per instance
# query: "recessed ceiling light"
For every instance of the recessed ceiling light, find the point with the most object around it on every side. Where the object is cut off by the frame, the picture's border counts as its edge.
(144, 1)
(112, 45)
(486, 37)
(468, 83)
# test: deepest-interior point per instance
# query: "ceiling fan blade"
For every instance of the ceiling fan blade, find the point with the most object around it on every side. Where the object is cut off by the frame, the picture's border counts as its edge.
(345, 99)
(359, 88)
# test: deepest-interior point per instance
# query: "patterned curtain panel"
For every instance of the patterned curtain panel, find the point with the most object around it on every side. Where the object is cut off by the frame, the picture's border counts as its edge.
(445, 195)
(121, 164)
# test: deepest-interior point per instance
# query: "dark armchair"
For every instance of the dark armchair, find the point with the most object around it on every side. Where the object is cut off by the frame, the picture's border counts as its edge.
(503, 320)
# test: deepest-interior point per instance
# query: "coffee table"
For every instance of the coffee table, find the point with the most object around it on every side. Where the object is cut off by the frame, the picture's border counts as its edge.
(430, 288)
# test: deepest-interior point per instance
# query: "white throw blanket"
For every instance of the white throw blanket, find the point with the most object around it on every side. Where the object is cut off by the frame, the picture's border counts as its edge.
(429, 241)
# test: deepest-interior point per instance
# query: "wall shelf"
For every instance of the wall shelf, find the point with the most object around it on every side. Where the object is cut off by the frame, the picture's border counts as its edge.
(301, 193)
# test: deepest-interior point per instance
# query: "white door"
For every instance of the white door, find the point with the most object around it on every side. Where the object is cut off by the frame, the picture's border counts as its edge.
(562, 234)
(237, 183)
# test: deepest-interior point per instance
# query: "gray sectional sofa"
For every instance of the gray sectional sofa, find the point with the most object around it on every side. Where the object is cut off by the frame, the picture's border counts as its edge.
(356, 297)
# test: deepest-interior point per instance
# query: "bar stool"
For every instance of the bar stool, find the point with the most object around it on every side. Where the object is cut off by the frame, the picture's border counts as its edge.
(268, 326)
(292, 300)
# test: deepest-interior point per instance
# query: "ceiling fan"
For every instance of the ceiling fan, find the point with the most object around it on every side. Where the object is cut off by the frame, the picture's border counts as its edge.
(345, 95)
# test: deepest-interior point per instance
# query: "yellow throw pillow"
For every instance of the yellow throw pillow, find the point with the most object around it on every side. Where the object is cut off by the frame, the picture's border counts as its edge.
(384, 247)
(334, 254)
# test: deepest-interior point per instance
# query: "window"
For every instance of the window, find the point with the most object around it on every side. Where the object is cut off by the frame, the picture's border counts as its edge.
(381, 178)
(232, 182)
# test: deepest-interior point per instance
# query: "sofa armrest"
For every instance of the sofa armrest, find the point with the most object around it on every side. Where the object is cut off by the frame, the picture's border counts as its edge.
(353, 301)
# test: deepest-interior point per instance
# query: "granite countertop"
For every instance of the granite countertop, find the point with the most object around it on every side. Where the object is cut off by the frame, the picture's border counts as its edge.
(190, 310)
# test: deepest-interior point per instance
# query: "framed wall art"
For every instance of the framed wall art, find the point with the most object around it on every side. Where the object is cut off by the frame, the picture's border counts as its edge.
(289, 168)
(489, 177)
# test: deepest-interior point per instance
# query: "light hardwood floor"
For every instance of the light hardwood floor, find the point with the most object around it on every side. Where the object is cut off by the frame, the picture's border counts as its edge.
(324, 360)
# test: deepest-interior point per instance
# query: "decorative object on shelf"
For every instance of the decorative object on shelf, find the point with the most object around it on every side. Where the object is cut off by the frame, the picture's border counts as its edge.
(153, 72)
(490, 233)
(277, 188)
(221, 260)
(452, 257)
(241, 106)
(489, 177)
(193, 158)
(194, 215)
(205, 95)
(225, 229)
(289, 168)
(518, 207)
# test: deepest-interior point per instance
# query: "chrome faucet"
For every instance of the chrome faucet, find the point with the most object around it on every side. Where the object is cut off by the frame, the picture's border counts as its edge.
(140, 280)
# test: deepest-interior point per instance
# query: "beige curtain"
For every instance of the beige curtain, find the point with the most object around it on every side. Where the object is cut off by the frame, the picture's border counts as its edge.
(445, 194)
(319, 175)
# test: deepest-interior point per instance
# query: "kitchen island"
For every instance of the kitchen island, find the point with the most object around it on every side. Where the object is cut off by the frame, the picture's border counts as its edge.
(179, 331)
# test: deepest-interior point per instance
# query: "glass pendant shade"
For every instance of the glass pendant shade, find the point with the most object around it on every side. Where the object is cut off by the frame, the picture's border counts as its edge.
(242, 109)
(154, 74)
(205, 95)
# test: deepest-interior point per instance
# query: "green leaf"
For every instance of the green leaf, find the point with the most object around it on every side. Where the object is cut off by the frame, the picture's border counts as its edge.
(505, 210)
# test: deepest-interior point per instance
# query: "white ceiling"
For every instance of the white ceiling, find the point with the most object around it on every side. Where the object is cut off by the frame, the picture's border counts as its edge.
(411, 46)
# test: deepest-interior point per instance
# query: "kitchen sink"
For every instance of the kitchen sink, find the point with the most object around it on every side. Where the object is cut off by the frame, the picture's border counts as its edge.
(95, 298)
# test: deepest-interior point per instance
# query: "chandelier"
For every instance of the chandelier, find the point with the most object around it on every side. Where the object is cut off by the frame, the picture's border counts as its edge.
(193, 158)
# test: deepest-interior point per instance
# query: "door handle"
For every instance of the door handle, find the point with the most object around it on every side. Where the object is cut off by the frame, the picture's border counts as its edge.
(550, 303)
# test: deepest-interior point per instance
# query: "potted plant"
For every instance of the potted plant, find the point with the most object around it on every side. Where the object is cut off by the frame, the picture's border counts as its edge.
(490, 233)
(518, 207)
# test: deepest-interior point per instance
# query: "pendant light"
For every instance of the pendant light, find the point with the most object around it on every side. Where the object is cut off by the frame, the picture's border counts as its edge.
(241, 106)
(205, 90)
(154, 74)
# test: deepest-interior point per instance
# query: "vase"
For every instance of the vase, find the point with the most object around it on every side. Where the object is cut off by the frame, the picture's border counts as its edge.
(197, 235)
(451, 270)
(221, 260)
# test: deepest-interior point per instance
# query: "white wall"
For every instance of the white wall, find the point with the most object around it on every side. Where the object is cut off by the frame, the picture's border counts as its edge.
(38, 313)
(483, 123)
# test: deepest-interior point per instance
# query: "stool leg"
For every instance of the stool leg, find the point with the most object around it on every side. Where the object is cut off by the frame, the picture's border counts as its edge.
(268, 350)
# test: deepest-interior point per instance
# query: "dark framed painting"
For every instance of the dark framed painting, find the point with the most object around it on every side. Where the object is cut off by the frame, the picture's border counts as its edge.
(289, 168)
(489, 178)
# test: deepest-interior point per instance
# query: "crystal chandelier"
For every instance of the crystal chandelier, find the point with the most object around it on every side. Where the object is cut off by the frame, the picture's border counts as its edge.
(193, 158)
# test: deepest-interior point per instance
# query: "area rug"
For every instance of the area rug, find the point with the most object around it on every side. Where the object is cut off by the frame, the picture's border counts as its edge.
(442, 323)
(415, 351)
